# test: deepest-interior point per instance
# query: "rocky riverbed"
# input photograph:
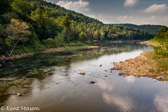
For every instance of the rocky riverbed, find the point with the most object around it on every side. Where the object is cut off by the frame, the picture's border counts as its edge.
(143, 66)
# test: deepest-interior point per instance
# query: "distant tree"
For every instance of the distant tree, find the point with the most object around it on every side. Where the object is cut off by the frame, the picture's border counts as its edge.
(82, 36)
(22, 7)
(18, 31)
(59, 40)
(40, 16)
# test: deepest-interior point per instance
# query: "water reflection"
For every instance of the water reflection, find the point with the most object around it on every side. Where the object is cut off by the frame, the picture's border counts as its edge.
(161, 101)
(57, 86)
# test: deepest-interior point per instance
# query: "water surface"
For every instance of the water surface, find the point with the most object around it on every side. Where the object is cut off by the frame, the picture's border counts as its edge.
(52, 91)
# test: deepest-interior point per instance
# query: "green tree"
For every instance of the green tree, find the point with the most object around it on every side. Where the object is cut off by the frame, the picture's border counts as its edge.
(59, 40)
(18, 31)
(40, 16)
(22, 7)
(82, 36)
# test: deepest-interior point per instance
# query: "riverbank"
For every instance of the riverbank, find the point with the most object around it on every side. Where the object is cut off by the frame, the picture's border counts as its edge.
(87, 45)
(148, 64)
(50, 50)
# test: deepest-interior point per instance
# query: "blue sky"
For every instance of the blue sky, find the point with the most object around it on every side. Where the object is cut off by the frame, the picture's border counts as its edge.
(121, 11)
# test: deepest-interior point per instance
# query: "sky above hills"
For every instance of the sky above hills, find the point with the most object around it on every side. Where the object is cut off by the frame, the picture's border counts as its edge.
(120, 11)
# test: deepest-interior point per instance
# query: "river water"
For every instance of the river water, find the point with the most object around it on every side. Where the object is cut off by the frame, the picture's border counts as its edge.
(52, 83)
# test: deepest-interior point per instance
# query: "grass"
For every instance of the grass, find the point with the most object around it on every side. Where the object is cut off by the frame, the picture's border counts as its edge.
(162, 61)
(154, 42)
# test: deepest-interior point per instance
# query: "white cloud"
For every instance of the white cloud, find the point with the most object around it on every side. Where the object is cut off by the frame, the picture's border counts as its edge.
(125, 103)
(125, 18)
(100, 15)
(92, 16)
(77, 5)
(153, 17)
(105, 86)
(130, 3)
(165, 21)
(130, 79)
(156, 8)
(161, 102)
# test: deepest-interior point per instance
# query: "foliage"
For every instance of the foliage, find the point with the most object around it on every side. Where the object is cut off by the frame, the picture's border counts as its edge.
(18, 31)
(153, 29)
(34, 25)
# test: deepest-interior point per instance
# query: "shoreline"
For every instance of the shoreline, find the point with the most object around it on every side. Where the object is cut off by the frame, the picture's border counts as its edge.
(61, 49)
(145, 65)
(49, 50)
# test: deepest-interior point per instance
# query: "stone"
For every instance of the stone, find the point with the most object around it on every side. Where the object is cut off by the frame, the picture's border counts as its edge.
(92, 82)
(120, 74)
(82, 73)
(100, 65)
(158, 78)
(19, 94)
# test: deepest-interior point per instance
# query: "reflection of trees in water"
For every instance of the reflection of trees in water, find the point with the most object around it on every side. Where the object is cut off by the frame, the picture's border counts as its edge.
(35, 67)
(114, 49)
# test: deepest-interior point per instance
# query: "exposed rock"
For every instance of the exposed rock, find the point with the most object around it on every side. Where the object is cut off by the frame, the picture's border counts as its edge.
(120, 74)
(19, 94)
(66, 75)
(82, 73)
(158, 78)
(105, 76)
(92, 82)
(0, 65)
(114, 68)
(105, 70)
(100, 65)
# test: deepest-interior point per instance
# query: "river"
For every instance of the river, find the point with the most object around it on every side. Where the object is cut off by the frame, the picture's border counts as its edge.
(52, 83)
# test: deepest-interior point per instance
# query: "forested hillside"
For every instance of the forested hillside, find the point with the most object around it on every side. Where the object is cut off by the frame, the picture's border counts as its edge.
(34, 25)
(152, 29)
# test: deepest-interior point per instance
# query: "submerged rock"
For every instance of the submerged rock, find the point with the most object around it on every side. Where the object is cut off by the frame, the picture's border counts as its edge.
(100, 65)
(92, 82)
(66, 75)
(82, 73)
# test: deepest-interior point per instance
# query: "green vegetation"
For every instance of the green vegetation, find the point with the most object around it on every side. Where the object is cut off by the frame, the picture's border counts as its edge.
(160, 42)
(152, 29)
(161, 60)
(34, 25)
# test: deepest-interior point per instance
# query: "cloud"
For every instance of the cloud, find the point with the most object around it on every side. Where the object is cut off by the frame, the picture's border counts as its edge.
(92, 16)
(156, 8)
(130, 3)
(153, 17)
(125, 18)
(124, 103)
(130, 79)
(105, 86)
(77, 5)
(161, 102)
(165, 20)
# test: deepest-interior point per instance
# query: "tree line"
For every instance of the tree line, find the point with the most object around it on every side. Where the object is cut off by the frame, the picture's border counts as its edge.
(34, 25)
